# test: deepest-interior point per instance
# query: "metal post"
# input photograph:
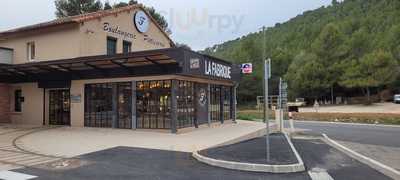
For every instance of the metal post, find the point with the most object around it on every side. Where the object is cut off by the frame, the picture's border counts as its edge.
(280, 105)
(266, 103)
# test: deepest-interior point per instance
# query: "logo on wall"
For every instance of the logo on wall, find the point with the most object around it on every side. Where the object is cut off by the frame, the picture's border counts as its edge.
(247, 68)
(202, 97)
(194, 63)
(141, 21)
(217, 70)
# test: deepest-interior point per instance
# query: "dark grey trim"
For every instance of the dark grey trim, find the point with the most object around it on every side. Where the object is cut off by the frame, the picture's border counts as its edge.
(7, 48)
(44, 106)
(134, 118)
(174, 105)
(208, 104)
(221, 104)
(115, 106)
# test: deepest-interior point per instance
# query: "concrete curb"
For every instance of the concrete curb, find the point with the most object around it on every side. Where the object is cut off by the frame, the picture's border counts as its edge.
(384, 169)
(289, 168)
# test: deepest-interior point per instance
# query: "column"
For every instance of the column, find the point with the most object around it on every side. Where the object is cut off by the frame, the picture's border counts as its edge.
(174, 105)
(234, 100)
(208, 104)
(115, 105)
(221, 104)
(134, 113)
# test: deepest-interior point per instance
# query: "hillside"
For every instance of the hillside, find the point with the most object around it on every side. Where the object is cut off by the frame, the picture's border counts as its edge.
(325, 50)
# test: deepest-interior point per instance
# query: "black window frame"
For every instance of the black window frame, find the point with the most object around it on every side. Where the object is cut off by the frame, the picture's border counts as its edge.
(18, 100)
(126, 44)
(115, 41)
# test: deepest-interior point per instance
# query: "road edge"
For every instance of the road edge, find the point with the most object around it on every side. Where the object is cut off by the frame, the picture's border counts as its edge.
(382, 168)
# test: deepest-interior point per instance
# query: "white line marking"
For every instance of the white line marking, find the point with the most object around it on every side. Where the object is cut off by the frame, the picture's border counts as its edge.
(319, 174)
(9, 175)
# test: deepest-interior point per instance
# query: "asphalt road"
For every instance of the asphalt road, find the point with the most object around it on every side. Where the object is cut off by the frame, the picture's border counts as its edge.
(363, 134)
(381, 143)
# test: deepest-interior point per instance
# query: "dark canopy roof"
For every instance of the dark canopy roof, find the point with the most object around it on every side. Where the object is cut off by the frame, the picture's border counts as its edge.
(143, 63)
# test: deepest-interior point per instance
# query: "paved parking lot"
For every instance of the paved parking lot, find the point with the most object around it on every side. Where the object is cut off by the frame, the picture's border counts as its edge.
(149, 164)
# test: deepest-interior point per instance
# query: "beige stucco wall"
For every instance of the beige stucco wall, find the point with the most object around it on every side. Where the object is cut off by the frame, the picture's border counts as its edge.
(93, 38)
(32, 107)
(84, 39)
(60, 44)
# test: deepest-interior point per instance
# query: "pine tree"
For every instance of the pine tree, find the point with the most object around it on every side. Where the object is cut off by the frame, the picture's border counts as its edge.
(76, 7)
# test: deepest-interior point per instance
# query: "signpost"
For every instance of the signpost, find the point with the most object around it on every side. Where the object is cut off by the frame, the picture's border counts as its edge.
(267, 75)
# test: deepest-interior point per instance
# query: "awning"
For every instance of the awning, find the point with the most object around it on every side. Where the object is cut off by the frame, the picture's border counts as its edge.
(142, 63)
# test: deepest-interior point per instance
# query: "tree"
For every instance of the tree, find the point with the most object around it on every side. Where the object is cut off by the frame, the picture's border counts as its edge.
(66, 8)
(183, 45)
(306, 76)
(329, 47)
(375, 69)
(107, 5)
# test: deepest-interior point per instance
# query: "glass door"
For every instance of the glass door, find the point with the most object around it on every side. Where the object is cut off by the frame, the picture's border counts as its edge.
(59, 107)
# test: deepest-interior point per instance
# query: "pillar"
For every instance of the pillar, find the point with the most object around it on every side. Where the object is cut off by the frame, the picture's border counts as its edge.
(134, 112)
(221, 104)
(174, 106)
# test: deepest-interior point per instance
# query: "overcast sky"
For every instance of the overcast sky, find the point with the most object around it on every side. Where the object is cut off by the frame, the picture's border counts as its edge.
(199, 24)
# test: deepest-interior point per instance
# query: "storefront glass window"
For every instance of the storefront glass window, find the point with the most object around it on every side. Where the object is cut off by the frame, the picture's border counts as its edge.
(153, 104)
(186, 104)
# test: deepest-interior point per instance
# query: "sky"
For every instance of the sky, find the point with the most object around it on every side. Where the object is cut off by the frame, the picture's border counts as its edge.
(197, 23)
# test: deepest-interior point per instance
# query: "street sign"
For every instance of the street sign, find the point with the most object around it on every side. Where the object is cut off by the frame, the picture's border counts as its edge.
(247, 68)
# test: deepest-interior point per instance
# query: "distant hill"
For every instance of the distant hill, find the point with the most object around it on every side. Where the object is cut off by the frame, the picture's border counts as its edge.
(332, 37)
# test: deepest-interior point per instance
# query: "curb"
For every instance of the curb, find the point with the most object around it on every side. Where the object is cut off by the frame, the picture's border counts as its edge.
(289, 168)
(382, 168)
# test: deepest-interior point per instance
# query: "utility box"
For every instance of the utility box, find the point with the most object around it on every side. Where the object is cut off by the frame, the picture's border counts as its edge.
(6, 55)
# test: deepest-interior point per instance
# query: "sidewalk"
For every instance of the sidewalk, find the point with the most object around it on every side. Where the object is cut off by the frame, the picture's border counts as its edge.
(70, 141)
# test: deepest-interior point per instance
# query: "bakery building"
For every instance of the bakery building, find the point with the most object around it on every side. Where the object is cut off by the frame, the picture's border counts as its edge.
(111, 69)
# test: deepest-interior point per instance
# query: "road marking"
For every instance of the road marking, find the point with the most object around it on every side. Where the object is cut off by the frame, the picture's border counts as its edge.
(319, 174)
(9, 175)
